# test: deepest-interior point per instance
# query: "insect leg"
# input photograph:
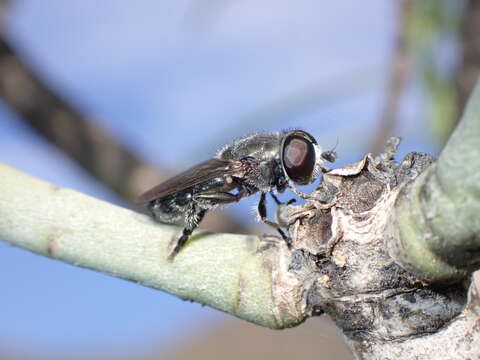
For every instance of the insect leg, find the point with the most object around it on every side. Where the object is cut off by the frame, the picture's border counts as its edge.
(262, 212)
(150, 208)
(217, 198)
(192, 220)
(221, 198)
(278, 202)
(299, 193)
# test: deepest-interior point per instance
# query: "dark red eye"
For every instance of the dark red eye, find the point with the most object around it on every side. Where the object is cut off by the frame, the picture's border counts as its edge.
(298, 159)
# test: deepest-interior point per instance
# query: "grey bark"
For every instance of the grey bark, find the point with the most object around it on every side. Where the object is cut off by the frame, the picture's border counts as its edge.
(389, 249)
(343, 242)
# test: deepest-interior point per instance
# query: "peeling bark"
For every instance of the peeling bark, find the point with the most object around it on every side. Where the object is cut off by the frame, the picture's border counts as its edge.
(343, 255)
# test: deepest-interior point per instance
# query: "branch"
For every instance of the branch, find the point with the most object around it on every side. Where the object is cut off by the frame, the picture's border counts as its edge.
(438, 215)
(342, 240)
(354, 255)
(232, 273)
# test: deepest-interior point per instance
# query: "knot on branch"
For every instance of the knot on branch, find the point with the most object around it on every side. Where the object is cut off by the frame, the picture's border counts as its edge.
(340, 241)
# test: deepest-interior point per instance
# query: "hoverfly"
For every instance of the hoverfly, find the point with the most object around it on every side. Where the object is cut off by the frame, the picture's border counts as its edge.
(264, 162)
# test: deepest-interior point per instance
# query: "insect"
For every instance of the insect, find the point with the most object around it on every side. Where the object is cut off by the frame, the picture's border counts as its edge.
(265, 163)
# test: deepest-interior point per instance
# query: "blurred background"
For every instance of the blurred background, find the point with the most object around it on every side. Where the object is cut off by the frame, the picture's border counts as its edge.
(110, 97)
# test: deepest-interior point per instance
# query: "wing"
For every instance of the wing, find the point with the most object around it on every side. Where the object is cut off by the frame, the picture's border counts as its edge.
(202, 172)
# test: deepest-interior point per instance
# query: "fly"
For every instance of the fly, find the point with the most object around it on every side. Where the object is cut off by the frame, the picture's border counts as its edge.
(265, 163)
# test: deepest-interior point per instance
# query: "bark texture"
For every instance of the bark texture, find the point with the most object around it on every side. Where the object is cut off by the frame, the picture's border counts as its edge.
(342, 242)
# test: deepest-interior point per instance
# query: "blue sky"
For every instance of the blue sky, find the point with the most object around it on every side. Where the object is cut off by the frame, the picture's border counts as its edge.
(175, 80)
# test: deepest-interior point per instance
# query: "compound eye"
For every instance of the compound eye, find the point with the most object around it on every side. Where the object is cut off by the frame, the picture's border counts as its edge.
(299, 159)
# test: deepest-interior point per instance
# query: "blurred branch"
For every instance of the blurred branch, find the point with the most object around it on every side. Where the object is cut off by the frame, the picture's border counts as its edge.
(433, 35)
(400, 70)
(52, 117)
(87, 144)
(469, 68)
(426, 29)
(225, 271)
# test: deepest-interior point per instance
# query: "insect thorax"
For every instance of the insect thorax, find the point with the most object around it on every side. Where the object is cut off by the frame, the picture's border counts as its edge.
(259, 146)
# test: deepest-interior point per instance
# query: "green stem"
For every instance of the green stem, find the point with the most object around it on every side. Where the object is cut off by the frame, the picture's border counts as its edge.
(224, 271)
(439, 213)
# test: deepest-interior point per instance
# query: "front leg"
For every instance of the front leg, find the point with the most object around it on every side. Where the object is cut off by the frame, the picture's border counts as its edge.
(262, 212)
(223, 198)
(216, 198)
(278, 202)
(299, 193)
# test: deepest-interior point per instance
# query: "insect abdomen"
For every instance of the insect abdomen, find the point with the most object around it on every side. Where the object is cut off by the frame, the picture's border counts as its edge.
(171, 208)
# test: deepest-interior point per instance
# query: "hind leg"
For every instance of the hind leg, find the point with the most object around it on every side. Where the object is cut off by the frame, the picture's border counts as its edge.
(195, 214)
(192, 219)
